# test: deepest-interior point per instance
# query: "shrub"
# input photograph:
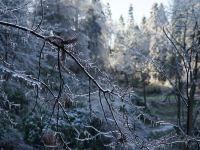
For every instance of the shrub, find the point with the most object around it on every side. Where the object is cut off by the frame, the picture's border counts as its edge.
(32, 129)
(137, 100)
(153, 89)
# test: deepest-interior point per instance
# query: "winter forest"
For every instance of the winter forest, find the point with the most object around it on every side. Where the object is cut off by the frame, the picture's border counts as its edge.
(73, 78)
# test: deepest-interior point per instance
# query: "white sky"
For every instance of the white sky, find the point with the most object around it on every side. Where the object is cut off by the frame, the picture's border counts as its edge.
(140, 7)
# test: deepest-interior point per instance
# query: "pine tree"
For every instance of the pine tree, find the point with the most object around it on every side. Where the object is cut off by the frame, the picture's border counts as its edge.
(157, 18)
(121, 22)
(108, 12)
(184, 31)
(131, 17)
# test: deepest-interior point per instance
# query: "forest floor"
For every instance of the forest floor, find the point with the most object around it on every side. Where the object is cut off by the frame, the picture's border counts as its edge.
(159, 107)
(162, 108)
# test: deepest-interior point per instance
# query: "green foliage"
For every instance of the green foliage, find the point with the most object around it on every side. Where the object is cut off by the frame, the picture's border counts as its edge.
(155, 134)
(123, 109)
(13, 140)
(137, 100)
(17, 97)
(5, 122)
(136, 81)
(97, 143)
(153, 89)
(32, 128)
(97, 123)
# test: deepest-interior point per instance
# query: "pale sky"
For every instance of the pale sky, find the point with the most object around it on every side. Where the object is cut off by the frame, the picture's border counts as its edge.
(140, 7)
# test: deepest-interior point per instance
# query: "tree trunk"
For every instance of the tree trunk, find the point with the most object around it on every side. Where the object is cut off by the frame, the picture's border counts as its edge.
(189, 116)
(144, 95)
(178, 110)
(191, 98)
(179, 103)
